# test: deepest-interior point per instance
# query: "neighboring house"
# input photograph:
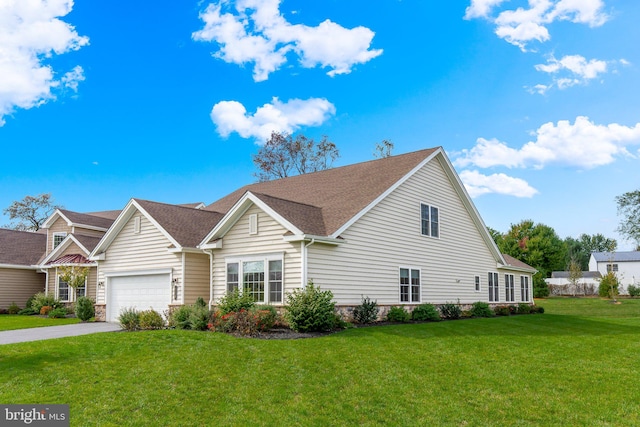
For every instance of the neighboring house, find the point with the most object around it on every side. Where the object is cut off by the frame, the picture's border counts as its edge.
(70, 238)
(626, 266)
(20, 251)
(400, 230)
(560, 284)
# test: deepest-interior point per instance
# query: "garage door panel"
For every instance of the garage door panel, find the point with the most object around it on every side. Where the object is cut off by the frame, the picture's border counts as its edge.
(140, 292)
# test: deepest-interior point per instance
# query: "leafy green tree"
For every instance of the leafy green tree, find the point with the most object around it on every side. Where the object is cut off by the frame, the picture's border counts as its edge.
(30, 212)
(282, 156)
(629, 208)
(580, 249)
(537, 245)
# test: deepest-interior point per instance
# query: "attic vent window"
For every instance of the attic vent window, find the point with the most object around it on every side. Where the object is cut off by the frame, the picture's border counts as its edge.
(253, 224)
(136, 225)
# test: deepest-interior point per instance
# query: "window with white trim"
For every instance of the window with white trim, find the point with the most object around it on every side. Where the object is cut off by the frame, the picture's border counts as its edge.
(262, 278)
(524, 288)
(63, 290)
(612, 267)
(477, 281)
(58, 238)
(409, 285)
(494, 295)
(509, 288)
(253, 224)
(429, 220)
(137, 225)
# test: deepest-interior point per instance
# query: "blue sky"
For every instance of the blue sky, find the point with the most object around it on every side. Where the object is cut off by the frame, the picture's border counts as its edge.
(535, 102)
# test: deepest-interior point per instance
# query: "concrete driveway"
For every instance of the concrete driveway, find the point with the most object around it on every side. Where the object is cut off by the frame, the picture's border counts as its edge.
(50, 332)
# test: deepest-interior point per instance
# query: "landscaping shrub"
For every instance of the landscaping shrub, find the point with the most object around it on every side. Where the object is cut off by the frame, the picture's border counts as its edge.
(200, 302)
(58, 313)
(481, 309)
(27, 312)
(40, 300)
(4, 311)
(502, 310)
(13, 308)
(524, 308)
(84, 309)
(537, 309)
(425, 312)
(450, 310)
(179, 318)
(45, 309)
(150, 319)
(609, 285)
(267, 317)
(366, 312)
(466, 314)
(198, 318)
(235, 301)
(398, 314)
(310, 309)
(634, 291)
(129, 319)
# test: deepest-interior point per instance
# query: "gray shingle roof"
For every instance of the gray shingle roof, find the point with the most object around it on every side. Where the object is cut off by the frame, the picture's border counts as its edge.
(87, 219)
(585, 275)
(321, 202)
(21, 247)
(617, 256)
(514, 262)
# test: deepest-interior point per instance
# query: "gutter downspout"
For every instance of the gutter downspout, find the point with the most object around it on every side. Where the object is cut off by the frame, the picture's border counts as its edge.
(305, 262)
(210, 253)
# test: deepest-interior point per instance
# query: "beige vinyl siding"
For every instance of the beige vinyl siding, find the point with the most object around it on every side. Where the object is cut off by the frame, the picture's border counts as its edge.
(146, 250)
(196, 280)
(269, 240)
(58, 226)
(17, 285)
(389, 237)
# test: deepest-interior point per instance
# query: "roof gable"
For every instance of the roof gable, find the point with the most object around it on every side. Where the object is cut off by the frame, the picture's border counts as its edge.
(23, 248)
(98, 221)
(629, 256)
(85, 244)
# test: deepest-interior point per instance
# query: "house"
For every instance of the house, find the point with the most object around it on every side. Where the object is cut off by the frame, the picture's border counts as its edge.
(20, 278)
(559, 283)
(626, 266)
(401, 230)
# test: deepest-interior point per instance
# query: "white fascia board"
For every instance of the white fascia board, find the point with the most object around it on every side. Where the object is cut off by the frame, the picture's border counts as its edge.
(19, 266)
(62, 264)
(371, 205)
(216, 244)
(236, 212)
(52, 217)
(121, 273)
(311, 238)
(88, 227)
(185, 250)
(519, 269)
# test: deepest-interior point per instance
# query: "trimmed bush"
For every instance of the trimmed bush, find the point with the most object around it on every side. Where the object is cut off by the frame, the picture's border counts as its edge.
(85, 309)
(27, 312)
(40, 300)
(425, 312)
(129, 319)
(13, 308)
(481, 309)
(398, 314)
(150, 320)
(198, 318)
(634, 291)
(450, 310)
(200, 302)
(235, 301)
(524, 308)
(366, 312)
(537, 309)
(310, 310)
(502, 310)
(58, 313)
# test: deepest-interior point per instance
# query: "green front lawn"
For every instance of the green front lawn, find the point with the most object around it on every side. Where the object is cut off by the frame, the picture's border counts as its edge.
(559, 369)
(10, 322)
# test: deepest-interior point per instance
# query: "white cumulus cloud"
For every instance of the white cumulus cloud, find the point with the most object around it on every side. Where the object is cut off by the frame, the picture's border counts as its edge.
(232, 116)
(31, 33)
(521, 26)
(255, 32)
(478, 184)
(582, 144)
(571, 70)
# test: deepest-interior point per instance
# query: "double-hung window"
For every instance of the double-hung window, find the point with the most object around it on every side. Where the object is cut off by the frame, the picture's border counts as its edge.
(509, 288)
(429, 220)
(63, 290)
(493, 287)
(409, 285)
(524, 288)
(58, 238)
(477, 281)
(261, 278)
(612, 267)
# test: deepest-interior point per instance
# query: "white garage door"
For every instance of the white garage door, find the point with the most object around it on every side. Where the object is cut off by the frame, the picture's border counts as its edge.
(142, 292)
